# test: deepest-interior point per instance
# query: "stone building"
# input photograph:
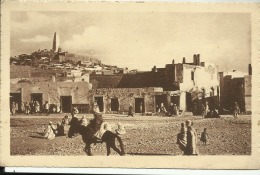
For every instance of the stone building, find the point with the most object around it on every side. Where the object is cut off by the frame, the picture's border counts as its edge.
(186, 84)
(68, 94)
(236, 87)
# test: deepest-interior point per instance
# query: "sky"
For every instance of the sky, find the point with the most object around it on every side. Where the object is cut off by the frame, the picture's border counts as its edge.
(138, 40)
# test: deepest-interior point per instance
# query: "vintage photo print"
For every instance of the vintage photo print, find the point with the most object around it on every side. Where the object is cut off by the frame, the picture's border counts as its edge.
(134, 85)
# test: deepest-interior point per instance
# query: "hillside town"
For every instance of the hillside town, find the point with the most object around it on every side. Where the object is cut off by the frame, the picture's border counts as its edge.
(65, 80)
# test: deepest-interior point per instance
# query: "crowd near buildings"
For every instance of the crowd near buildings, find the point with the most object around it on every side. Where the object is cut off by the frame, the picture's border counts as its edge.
(67, 80)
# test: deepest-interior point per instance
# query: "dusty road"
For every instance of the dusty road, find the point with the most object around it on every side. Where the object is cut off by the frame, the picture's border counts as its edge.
(146, 135)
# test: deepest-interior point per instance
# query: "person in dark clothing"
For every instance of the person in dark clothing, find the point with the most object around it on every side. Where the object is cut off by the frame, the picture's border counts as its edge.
(204, 137)
(32, 107)
(191, 146)
(74, 125)
(96, 122)
(171, 110)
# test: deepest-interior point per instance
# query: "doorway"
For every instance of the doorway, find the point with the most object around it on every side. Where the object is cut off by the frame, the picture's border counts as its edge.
(175, 100)
(100, 103)
(188, 102)
(37, 97)
(139, 105)
(66, 103)
(17, 98)
(114, 104)
(159, 99)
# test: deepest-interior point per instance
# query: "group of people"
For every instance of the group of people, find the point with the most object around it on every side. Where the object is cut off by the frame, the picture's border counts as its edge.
(61, 129)
(214, 113)
(207, 113)
(72, 127)
(34, 107)
(187, 138)
(173, 110)
(26, 107)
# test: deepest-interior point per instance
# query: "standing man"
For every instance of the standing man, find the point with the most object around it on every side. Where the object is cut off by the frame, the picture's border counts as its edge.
(32, 107)
(27, 108)
(96, 108)
(236, 110)
(207, 109)
(37, 107)
(191, 147)
(141, 108)
(171, 110)
(22, 107)
(46, 108)
(58, 107)
(13, 108)
(203, 111)
(130, 110)
(175, 110)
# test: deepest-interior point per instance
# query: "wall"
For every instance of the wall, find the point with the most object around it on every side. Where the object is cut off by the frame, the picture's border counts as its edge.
(20, 71)
(248, 92)
(126, 96)
(203, 85)
(52, 91)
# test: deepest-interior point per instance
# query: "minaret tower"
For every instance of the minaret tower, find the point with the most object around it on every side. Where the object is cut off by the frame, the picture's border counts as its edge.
(56, 42)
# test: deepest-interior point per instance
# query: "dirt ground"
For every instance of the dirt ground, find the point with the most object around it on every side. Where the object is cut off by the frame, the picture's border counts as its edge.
(146, 135)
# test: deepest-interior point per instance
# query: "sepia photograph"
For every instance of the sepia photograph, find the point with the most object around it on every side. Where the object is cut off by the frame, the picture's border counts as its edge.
(142, 81)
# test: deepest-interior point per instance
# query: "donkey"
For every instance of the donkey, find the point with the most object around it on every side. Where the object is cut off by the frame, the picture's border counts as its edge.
(108, 137)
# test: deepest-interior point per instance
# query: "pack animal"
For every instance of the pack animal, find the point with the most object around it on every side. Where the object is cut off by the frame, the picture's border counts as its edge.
(87, 133)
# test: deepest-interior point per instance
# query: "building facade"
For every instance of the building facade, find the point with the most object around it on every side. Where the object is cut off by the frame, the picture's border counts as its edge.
(188, 85)
(67, 94)
(236, 87)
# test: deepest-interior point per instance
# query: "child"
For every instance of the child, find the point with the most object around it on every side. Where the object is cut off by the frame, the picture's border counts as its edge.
(204, 137)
